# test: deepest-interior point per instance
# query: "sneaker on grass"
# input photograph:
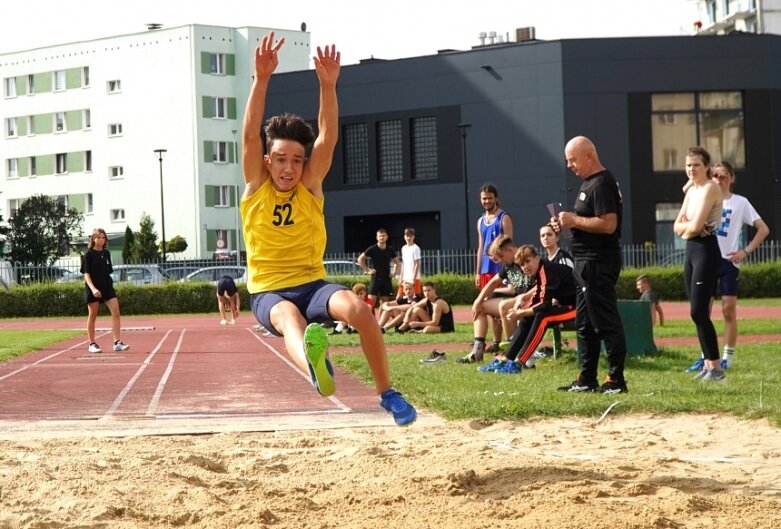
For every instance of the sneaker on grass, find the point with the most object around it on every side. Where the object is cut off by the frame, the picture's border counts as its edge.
(475, 355)
(494, 365)
(403, 412)
(696, 366)
(510, 368)
(612, 386)
(714, 375)
(434, 358)
(578, 386)
(320, 369)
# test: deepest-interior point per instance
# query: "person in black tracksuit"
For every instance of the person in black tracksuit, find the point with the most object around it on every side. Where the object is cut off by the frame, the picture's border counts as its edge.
(553, 302)
(596, 231)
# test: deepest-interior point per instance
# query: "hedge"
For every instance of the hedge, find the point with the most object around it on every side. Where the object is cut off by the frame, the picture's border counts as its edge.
(67, 299)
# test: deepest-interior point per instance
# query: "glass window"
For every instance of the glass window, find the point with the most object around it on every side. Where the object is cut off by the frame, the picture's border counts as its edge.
(115, 129)
(88, 203)
(30, 84)
(390, 160)
(217, 63)
(59, 80)
(116, 171)
(424, 148)
(87, 160)
(87, 119)
(220, 107)
(61, 160)
(10, 127)
(713, 120)
(114, 86)
(59, 121)
(117, 215)
(221, 196)
(85, 76)
(33, 167)
(13, 168)
(356, 153)
(30, 126)
(13, 207)
(10, 87)
(220, 152)
(665, 218)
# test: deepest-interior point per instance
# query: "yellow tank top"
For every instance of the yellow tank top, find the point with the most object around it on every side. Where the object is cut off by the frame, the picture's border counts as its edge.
(285, 238)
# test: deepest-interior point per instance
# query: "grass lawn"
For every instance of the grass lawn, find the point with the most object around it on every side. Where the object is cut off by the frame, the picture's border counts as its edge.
(17, 342)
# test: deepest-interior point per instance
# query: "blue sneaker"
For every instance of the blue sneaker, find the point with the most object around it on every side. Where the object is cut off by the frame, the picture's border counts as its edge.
(320, 368)
(696, 366)
(403, 412)
(510, 368)
(494, 365)
(724, 364)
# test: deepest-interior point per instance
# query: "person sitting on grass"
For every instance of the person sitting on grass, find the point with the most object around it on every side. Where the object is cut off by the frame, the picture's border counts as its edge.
(392, 312)
(553, 302)
(430, 315)
(361, 292)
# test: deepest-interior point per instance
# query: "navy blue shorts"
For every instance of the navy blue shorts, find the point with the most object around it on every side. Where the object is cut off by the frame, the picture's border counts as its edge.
(226, 284)
(311, 300)
(727, 284)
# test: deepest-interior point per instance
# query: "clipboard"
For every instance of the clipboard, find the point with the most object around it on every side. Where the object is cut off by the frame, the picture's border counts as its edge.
(554, 208)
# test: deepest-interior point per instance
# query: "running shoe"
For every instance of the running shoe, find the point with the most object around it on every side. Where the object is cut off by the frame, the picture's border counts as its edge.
(510, 368)
(320, 369)
(579, 387)
(714, 375)
(493, 348)
(696, 366)
(94, 348)
(475, 355)
(726, 363)
(494, 365)
(434, 358)
(119, 345)
(403, 412)
(612, 386)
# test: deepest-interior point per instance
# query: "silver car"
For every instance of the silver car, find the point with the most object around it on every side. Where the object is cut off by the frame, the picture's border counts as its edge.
(214, 273)
(139, 275)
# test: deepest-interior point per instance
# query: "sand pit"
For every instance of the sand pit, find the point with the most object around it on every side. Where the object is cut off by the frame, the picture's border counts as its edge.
(625, 472)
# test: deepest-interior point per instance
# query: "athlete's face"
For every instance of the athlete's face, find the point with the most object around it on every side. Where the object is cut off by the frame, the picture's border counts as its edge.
(722, 177)
(382, 237)
(488, 201)
(409, 291)
(430, 293)
(285, 163)
(696, 169)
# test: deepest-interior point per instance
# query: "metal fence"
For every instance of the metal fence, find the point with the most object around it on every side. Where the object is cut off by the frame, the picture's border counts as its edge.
(456, 261)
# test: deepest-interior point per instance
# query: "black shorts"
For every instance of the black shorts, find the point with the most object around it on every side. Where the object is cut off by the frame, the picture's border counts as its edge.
(226, 284)
(107, 293)
(380, 286)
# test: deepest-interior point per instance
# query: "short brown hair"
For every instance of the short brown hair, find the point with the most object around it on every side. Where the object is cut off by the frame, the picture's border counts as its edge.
(288, 127)
(525, 252)
(359, 288)
(499, 244)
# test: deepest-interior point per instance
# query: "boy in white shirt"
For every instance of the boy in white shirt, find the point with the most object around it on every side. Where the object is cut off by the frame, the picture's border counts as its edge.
(410, 262)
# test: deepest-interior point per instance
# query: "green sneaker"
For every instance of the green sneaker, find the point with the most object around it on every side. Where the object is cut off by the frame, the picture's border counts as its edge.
(320, 369)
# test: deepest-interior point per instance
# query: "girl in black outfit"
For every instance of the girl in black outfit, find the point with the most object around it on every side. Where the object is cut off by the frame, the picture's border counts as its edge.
(99, 288)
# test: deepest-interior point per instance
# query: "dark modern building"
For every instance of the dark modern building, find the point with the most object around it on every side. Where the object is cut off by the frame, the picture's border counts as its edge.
(643, 101)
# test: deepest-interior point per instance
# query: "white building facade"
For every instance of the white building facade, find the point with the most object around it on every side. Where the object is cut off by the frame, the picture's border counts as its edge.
(720, 17)
(82, 121)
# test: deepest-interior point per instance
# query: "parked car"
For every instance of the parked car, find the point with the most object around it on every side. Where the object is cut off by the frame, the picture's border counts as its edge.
(43, 274)
(343, 268)
(70, 276)
(676, 258)
(178, 272)
(214, 273)
(139, 274)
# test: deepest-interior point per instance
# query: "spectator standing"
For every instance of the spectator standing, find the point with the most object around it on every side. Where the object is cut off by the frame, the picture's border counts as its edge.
(596, 231)
(647, 293)
(492, 223)
(410, 262)
(381, 255)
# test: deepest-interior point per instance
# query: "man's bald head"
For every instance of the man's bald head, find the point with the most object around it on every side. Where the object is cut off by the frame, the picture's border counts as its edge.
(582, 158)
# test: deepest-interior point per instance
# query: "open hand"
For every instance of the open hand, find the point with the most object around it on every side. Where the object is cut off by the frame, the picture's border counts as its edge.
(266, 59)
(327, 64)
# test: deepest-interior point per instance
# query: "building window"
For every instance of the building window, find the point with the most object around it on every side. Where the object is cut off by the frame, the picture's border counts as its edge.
(61, 162)
(10, 87)
(88, 203)
(115, 129)
(88, 161)
(13, 207)
(33, 167)
(220, 152)
(710, 8)
(85, 77)
(30, 84)
(390, 159)
(30, 126)
(87, 118)
(114, 86)
(724, 8)
(10, 127)
(221, 196)
(59, 121)
(666, 212)
(424, 148)
(61, 201)
(116, 171)
(220, 107)
(117, 215)
(217, 63)
(13, 168)
(59, 80)
(713, 120)
(356, 153)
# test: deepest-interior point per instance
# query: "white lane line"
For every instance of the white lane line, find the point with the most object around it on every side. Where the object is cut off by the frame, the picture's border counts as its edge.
(42, 360)
(303, 375)
(122, 394)
(150, 411)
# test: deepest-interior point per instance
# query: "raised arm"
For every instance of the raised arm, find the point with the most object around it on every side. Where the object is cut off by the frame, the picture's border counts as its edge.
(266, 61)
(327, 68)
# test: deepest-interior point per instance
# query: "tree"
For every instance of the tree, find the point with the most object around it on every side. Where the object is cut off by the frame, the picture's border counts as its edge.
(128, 244)
(145, 247)
(41, 231)
(176, 245)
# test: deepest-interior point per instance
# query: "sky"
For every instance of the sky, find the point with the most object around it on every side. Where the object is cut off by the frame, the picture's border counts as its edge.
(360, 30)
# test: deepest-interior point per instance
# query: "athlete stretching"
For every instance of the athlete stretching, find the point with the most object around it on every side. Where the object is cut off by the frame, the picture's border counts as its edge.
(284, 230)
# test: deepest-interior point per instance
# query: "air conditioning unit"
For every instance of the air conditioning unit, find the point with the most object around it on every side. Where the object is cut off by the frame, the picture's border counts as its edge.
(524, 34)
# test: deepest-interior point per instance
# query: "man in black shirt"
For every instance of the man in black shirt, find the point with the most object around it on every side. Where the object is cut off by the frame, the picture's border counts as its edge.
(596, 230)
(381, 256)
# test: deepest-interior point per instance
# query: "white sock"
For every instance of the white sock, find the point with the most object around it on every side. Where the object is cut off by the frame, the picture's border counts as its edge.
(340, 326)
(729, 355)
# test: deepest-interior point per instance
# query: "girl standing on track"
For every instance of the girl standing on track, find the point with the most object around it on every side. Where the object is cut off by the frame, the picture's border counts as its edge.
(99, 288)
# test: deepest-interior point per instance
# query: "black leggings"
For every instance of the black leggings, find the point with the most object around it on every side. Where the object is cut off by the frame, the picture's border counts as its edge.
(703, 259)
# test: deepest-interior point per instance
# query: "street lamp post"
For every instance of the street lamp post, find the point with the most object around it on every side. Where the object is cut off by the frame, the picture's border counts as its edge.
(464, 129)
(160, 153)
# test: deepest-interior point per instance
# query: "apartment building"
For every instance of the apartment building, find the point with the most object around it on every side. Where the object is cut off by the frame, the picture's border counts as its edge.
(88, 123)
(722, 17)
